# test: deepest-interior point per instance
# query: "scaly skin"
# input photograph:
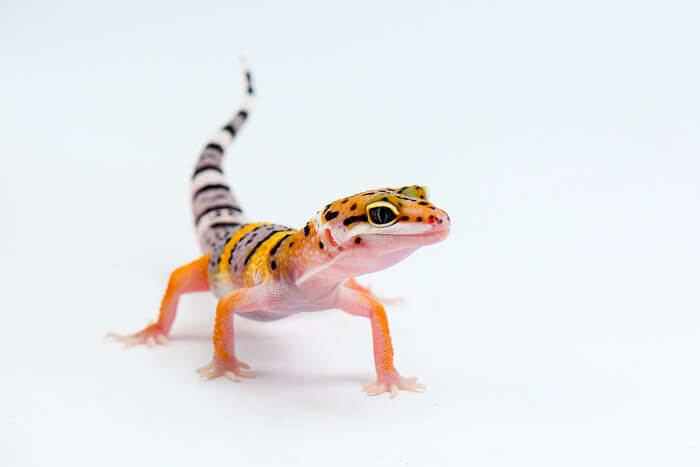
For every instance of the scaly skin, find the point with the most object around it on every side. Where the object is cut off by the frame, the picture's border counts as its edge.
(267, 271)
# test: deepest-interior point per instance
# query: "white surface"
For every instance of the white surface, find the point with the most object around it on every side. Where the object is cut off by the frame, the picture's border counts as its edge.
(558, 325)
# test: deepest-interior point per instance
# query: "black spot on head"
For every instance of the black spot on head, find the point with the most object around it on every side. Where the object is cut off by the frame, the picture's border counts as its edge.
(326, 208)
(353, 207)
(419, 219)
(405, 218)
(307, 229)
(350, 219)
(345, 201)
(291, 244)
(433, 208)
(330, 215)
(358, 240)
(384, 198)
(422, 197)
(369, 194)
(320, 245)
(423, 203)
(273, 265)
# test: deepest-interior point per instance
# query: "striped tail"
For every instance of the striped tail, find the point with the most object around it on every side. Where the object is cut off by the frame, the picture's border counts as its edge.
(215, 209)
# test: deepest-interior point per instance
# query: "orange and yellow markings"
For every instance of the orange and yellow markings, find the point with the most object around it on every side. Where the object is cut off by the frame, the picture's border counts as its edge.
(231, 244)
(259, 266)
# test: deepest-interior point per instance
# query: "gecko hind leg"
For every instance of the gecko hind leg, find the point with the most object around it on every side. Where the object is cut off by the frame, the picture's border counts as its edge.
(191, 277)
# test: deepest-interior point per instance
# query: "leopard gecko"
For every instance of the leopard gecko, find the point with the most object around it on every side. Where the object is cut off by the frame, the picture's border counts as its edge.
(266, 271)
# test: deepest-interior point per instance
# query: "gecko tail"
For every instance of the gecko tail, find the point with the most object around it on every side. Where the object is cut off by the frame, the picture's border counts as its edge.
(214, 207)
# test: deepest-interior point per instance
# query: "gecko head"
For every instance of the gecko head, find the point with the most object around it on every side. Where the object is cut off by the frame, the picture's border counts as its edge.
(377, 228)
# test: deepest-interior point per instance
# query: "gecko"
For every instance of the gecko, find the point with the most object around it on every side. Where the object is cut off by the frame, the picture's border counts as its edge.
(266, 271)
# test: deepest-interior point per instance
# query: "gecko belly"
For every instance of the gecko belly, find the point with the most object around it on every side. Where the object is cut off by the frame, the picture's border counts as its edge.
(265, 315)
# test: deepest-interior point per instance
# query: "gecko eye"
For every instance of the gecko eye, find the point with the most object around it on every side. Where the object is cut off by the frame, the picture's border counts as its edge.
(382, 213)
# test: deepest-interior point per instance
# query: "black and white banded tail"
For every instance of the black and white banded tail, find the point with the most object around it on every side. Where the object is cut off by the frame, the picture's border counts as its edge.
(215, 209)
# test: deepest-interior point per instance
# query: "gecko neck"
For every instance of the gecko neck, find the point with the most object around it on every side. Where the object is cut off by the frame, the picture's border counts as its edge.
(320, 263)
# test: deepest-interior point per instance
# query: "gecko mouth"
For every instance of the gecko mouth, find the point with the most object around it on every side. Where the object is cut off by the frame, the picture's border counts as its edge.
(401, 240)
(434, 233)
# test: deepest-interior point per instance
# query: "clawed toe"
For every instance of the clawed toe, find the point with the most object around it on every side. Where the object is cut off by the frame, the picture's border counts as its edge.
(374, 389)
(392, 383)
(233, 370)
(246, 373)
(152, 336)
(411, 384)
(207, 372)
(232, 376)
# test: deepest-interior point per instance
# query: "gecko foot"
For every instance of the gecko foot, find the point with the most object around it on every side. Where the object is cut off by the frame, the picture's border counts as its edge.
(392, 383)
(151, 336)
(230, 369)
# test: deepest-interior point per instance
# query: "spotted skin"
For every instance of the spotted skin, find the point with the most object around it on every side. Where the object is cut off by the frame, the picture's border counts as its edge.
(267, 271)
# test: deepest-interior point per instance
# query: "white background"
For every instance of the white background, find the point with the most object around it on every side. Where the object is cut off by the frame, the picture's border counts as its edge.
(557, 325)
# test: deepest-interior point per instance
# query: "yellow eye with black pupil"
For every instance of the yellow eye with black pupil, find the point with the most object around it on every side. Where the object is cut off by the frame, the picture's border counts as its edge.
(382, 213)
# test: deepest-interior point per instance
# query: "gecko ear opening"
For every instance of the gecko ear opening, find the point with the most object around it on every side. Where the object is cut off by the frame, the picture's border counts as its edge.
(415, 191)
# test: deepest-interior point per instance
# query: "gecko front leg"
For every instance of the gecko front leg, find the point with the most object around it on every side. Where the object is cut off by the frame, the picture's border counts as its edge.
(224, 363)
(357, 302)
